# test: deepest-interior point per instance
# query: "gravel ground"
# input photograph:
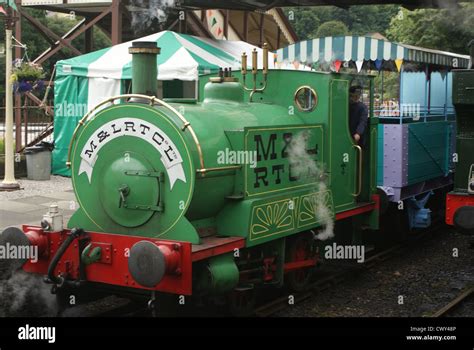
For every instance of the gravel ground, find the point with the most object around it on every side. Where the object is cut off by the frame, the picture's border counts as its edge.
(427, 276)
(31, 188)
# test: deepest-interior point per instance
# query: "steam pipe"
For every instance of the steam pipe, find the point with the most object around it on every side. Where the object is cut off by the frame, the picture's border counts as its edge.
(265, 59)
(254, 62)
(244, 64)
(254, 89)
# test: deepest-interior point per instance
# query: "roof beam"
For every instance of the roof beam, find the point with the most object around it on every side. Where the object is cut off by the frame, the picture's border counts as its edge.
(47, 33)
(268, 4)
(74, 34)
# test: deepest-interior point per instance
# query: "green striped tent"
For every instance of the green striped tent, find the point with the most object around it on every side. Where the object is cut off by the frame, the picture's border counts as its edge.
(362, 48)
(84, 81)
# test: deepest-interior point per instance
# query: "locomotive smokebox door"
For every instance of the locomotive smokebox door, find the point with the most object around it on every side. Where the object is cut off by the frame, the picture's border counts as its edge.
(130, 188)
(132, 169)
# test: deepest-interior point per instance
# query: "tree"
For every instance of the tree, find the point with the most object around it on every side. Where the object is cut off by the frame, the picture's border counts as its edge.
(360, 20)
(304, 21)
(448, 29)
(369, 19)
(331, 28)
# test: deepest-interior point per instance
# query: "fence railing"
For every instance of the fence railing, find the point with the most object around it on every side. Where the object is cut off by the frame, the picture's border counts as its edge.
(31, 123)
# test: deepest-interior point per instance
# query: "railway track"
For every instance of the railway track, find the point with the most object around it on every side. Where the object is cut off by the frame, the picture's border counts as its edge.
(337, 278)
(455, 303)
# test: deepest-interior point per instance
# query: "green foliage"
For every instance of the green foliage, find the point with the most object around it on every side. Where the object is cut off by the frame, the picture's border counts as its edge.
(27, 71)
(447, 29)
(332, 28)
(359, 20)
(391, 85)
(370, 19)
(305, 21)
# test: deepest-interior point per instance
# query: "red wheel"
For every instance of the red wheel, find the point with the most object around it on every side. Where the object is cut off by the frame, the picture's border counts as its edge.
(299, 249)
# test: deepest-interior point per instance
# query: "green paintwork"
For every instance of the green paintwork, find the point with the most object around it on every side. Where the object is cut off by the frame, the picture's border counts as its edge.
(380, 148)
(144, 72)
(427, 145)
(262, 220)
(463, 99)
(89, 255)
(463, 87)
(100, 200)
(223, 93)
(223, 273)
(261, 203)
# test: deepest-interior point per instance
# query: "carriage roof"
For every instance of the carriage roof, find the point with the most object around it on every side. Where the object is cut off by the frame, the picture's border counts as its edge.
(366, 48)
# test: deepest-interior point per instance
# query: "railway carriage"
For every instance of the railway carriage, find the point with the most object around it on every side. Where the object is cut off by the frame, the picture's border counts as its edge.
(416, 119)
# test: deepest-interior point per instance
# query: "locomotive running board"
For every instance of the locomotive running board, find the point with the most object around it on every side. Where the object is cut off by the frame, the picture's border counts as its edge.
(211, 246)
(362, 207)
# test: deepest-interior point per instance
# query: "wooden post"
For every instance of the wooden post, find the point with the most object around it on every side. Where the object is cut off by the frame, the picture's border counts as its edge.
(185, 22)
(89, 40)
(246, 26)
(25, 120)
(226, 24)
(278, 38)
(116, 30)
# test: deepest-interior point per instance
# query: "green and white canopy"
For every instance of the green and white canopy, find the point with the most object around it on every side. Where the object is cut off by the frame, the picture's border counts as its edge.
(84, 81)
(182, 57)
(361, 48)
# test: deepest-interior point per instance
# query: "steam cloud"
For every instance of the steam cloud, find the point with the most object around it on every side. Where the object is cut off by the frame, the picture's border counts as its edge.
(305, 167)
(145, 12)
(25, 295)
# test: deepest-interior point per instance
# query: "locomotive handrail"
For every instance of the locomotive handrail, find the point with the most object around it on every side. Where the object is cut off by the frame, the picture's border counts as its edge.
(470, 176)
(153, 100)
(359, 173)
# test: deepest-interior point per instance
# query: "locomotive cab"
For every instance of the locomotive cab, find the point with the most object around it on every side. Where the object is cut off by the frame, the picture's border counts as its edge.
(460, 202)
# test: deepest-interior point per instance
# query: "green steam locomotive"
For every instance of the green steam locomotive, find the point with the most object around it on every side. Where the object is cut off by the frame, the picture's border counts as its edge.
(219, 197)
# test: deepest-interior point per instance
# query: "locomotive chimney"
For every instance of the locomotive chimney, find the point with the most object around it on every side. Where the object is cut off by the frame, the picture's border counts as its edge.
(144, 68)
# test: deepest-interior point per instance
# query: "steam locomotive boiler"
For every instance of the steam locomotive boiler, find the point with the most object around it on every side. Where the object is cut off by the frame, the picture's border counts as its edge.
(166, 207)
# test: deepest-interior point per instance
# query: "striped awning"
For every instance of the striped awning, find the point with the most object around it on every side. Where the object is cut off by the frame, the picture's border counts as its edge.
(182, 57)
(362, 48)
